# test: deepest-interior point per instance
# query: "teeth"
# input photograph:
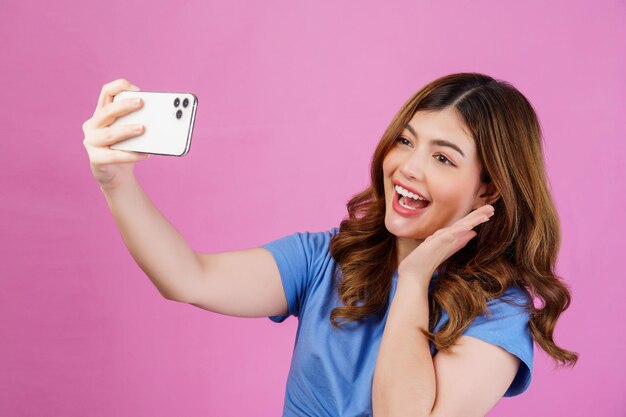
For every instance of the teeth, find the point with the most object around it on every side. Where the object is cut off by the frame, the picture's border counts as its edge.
(407, 193)
(404, 205)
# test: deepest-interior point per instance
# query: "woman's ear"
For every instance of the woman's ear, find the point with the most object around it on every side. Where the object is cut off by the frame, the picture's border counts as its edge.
(487, 194)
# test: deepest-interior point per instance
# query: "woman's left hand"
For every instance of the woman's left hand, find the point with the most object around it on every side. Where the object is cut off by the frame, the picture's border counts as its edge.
(424, 260)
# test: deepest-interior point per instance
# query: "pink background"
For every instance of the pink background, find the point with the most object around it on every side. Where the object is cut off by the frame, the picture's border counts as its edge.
(293, 98)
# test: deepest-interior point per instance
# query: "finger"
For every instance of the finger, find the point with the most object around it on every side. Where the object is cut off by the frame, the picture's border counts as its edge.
(111, 111)
(461, 230)
(109, 90)
(466, 237)
(104, 156)
(454, 238)
(128, 156)
(113, 134)
(476, 217)
(486, 210)
(468, 225)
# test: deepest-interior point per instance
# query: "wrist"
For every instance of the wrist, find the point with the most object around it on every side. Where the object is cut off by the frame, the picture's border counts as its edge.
(416, 281)
(117, 186)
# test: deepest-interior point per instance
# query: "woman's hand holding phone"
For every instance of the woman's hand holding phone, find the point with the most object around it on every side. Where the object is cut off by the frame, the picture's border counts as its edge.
(112, 167)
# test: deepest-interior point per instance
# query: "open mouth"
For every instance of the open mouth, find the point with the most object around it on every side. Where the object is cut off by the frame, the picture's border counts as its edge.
(410, 203)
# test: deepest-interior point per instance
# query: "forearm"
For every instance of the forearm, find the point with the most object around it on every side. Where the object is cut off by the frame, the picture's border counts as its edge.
(404, 378)
(157, 247)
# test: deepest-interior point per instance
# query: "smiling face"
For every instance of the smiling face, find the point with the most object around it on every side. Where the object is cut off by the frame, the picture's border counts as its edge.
(421, 160)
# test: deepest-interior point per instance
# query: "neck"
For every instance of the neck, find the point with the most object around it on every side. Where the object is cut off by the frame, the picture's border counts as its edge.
(404, 246)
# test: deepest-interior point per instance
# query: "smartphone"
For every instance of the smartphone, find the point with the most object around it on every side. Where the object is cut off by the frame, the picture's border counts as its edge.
(167, 120)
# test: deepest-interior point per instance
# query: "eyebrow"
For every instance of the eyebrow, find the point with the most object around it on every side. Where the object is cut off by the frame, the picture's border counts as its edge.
(440, 142)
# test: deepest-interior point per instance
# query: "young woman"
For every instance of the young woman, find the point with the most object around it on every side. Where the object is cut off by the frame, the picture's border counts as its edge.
(421, 302)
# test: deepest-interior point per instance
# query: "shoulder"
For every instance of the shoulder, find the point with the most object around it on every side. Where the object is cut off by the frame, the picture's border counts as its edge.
(513, 301)
(303, 240)
(505, 320)
(505, 323)
(302, 258)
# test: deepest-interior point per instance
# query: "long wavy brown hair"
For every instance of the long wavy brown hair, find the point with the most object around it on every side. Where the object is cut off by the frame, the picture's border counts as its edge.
(518, 247)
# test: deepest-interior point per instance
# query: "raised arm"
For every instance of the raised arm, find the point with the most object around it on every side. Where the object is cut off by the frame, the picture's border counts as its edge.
(243, 283)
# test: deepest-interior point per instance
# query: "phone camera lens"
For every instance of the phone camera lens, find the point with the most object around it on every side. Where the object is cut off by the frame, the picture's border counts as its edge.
(176, 101)
(185, 102)
(179, 114)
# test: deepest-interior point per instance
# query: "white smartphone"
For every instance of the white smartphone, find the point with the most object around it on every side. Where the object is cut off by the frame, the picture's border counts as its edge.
(167, 120)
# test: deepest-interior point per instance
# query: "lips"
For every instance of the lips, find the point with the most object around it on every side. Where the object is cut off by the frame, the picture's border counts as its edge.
(410, 189)
(405, 212)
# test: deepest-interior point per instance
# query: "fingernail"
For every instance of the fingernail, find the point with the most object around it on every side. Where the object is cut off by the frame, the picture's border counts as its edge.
(134, 87)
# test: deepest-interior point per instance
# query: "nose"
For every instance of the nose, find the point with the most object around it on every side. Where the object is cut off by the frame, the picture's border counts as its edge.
(413, 167)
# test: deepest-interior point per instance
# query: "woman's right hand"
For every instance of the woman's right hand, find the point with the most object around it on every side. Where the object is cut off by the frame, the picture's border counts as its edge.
(111, 167)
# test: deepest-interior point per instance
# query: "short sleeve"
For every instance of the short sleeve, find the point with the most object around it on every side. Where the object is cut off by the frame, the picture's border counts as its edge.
(507, 326)
(297, 256)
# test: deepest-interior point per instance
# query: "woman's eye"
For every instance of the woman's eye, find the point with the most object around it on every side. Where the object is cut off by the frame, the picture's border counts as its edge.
(445, 160)
(402, 140)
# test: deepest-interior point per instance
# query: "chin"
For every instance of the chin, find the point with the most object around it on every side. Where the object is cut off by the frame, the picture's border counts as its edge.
(400, 229)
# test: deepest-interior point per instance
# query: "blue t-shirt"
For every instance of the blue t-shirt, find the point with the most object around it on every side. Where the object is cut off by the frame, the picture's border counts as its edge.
(332, 369)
